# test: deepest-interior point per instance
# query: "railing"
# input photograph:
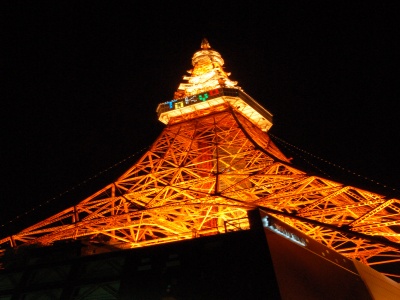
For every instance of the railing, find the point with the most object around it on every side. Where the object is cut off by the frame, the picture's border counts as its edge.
(237, 224)
(211, 94)
(193, 99)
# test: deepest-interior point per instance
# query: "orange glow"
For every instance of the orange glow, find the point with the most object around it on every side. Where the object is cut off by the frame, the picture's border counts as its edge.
(209, 166)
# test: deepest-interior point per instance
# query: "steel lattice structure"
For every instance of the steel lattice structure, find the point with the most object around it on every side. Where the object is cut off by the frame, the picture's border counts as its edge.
(212, 163)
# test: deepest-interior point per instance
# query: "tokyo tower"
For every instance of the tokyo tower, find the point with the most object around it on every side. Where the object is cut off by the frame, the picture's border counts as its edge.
(213, 162)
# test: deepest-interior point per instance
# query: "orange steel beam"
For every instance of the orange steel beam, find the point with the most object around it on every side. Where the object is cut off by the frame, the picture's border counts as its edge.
(207, 171)
(212, 163)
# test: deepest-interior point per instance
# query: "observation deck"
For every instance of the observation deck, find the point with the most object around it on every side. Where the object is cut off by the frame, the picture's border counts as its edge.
(236, 98)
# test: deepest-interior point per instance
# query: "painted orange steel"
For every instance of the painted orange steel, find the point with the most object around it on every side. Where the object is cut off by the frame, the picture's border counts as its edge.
(202, 175)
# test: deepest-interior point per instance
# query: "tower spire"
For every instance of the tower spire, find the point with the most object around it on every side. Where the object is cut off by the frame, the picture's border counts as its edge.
(209, 86)
(205, 44)
(207, 73)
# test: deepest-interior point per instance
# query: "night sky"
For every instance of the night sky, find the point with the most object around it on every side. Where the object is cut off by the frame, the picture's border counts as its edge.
(81, 81)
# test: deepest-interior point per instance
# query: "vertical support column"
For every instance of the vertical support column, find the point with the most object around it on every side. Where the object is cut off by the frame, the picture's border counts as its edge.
(113, 206)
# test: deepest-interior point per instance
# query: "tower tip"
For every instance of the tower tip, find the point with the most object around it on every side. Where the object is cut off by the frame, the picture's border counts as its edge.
(205, 44)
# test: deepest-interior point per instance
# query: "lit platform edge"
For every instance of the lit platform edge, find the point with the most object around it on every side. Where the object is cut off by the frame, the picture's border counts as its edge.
(242, 102)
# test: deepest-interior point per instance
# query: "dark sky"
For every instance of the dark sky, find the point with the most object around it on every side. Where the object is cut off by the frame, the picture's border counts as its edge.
(82, 79)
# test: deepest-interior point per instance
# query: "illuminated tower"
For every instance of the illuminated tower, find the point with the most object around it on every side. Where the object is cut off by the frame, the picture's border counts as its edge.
(212, 163)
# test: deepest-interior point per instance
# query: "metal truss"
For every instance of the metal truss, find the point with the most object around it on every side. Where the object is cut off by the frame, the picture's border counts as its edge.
(212, 163)
(202, 175)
